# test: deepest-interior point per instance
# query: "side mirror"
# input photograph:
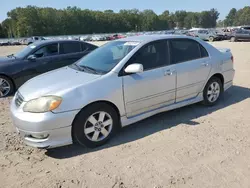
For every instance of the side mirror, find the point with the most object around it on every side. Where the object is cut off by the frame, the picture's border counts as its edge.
(31, 57)
(134, 68)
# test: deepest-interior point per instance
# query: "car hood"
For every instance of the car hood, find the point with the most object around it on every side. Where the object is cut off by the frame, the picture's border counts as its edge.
(5, 60)
(55, 82)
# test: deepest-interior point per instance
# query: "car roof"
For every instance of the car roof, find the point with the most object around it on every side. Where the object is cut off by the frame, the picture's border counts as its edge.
(149, 38)
(44, 42)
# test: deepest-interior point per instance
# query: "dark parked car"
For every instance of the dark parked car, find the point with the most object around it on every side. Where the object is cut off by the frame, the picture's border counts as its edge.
(240, 35)
(38, 58)
(245, 27)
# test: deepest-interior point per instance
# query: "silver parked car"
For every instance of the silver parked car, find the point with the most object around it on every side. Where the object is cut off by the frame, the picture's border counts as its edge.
(118, 84)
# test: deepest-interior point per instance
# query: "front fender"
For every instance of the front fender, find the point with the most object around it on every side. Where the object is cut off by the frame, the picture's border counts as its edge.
(107, 88)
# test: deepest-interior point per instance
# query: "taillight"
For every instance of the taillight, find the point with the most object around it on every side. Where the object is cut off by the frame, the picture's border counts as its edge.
(232, 58)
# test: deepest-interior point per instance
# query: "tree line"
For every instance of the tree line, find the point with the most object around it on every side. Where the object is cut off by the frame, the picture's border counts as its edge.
(36, 21)
(236, 17)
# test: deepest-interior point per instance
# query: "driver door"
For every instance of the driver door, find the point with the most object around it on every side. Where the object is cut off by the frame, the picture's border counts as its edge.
(150, 89)
(43, 62)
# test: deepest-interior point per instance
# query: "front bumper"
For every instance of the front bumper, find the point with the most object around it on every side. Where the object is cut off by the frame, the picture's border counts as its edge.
(57, 127)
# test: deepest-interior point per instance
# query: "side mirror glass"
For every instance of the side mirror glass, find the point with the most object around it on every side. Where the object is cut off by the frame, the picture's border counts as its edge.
(134, 68)
(31, 57)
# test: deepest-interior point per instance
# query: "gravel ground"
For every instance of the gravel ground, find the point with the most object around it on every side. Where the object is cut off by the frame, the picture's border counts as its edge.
(194, 146)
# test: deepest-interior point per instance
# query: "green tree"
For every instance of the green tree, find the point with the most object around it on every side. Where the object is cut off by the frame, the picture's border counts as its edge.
(180, 18)
(2, 32)
(149, 20)
(243, 16)
(230, 18)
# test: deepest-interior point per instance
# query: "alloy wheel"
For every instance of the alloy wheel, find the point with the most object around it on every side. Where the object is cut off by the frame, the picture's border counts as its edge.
(4, 87)
(213, 92)
(98, 126)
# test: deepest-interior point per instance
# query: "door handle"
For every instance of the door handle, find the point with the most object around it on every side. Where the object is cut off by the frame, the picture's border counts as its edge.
(169, 72)
(205, 64)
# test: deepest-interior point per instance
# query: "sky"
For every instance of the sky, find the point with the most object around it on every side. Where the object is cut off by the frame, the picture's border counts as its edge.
(158, 6)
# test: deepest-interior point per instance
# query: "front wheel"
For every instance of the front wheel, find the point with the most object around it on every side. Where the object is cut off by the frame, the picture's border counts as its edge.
(6, 86)
(95, 125)
(212, 91)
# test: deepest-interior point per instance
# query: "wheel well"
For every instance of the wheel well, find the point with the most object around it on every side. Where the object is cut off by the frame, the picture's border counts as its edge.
(220, 76)
(10, 80)
(96, 102)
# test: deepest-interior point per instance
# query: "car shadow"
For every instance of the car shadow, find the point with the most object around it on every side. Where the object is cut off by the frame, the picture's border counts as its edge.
(185, 115)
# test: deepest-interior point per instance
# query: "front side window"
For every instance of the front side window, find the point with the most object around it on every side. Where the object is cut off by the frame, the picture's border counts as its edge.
(70, 47)
(152, 55)
(184, 50)
(106, 57)
(25, 52)
(46, 51)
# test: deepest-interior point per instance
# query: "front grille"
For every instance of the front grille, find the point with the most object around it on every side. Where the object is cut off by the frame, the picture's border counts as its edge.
(19, 99)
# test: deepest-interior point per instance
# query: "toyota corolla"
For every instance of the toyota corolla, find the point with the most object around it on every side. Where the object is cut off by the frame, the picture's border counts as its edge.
(118, 84)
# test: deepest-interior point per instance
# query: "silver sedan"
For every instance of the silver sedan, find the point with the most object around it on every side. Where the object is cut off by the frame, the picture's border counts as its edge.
(118, 84)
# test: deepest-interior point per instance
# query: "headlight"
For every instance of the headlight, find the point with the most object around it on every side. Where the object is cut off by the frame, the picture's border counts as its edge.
(42, 104)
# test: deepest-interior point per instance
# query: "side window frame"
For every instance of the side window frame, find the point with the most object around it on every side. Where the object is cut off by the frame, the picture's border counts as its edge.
(34, 51)
(123, 73)
(186, 39)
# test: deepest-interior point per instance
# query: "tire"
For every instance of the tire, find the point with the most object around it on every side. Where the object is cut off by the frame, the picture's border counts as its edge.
(211, 39)
(92, 134)
(233, 39)
(211, 96)
(6, 86)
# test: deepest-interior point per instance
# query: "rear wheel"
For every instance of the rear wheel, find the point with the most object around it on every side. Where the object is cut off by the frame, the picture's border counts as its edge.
(95, 125)
(6, 86)
(233, 39)
(212, 91)
(211, 39)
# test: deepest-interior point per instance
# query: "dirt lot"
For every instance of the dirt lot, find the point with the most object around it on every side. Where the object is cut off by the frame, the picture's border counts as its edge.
(194, 146)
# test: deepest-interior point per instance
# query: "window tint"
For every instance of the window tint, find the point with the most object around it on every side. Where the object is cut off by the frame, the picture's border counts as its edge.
(152, 55)
(84, 47)
(70, 47)
(203, 52)
(184, 50)
(48, 50)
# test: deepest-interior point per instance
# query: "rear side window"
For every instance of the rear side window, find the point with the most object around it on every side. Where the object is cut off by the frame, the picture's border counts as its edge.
(70, 47)
(184, 50)
(84, 47)
(87, 47)
(204, 52)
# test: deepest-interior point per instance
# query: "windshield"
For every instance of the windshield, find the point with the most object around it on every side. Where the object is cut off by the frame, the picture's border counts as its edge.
(106, 57)
(24, 52)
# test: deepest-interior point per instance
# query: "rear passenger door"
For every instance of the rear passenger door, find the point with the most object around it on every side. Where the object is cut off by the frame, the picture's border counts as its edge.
(192, 66)
(246, 35)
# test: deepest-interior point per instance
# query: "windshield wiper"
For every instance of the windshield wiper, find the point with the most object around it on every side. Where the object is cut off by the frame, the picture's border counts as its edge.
(11, 55)
(77, 66)
(90, 69)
